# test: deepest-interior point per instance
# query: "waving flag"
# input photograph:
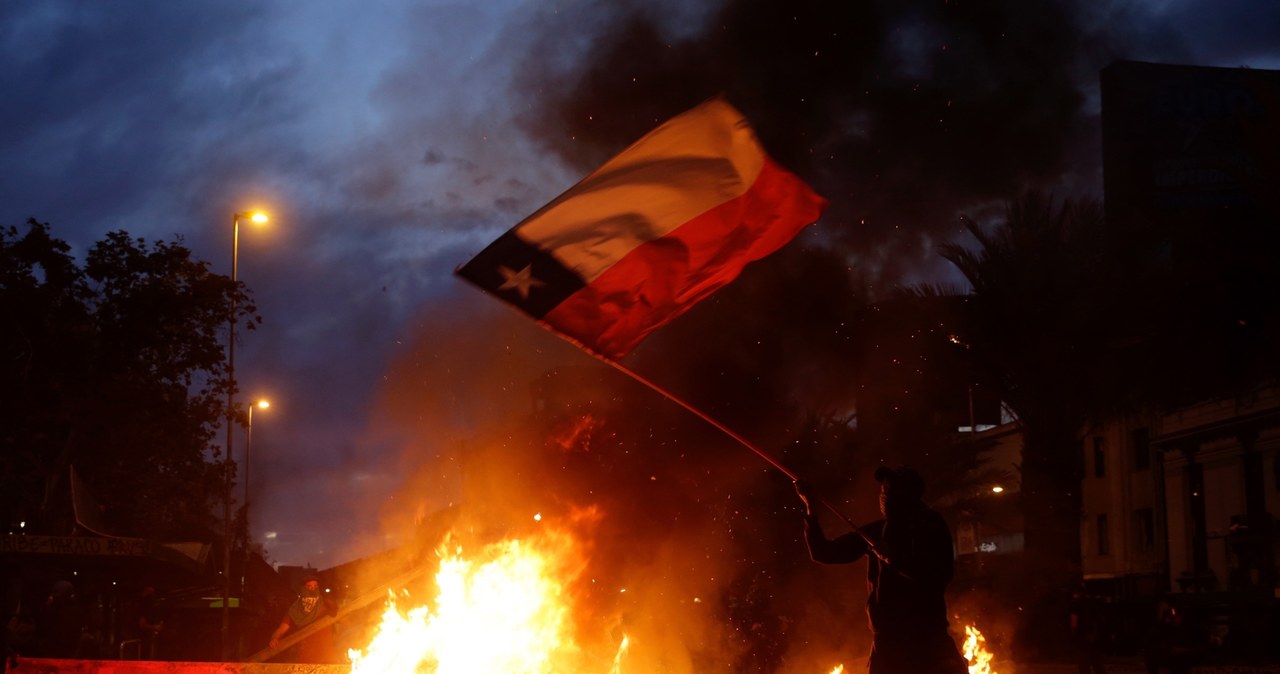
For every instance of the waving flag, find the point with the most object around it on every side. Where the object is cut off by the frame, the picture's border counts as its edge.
(650, 233)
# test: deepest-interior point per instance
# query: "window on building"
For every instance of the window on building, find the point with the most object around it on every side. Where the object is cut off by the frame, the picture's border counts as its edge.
(1140, 439)
(1144, 529)
(1104, 535)
(1099, 456)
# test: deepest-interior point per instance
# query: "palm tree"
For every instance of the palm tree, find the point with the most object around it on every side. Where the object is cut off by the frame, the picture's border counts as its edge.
(1042, 327)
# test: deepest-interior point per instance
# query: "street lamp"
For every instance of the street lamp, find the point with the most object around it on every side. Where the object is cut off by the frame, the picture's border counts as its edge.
(248, 445)
(255, 216)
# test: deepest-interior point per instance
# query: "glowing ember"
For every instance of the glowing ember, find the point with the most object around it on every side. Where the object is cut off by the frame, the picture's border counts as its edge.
(506, 610)
(975, 651)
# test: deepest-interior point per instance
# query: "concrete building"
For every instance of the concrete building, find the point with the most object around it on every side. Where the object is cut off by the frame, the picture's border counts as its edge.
(1184, 502)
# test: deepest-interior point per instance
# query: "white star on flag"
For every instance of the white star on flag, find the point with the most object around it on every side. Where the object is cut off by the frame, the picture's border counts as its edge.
(521, 281)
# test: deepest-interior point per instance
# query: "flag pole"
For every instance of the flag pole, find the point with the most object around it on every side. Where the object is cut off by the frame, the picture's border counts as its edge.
(698, 413)
(723, 429)
(653, 386)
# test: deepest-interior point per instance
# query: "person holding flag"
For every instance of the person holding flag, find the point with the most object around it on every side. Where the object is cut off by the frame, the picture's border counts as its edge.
(652, 232)
(910, 560)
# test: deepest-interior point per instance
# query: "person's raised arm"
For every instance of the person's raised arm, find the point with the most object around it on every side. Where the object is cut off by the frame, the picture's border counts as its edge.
(847, 548)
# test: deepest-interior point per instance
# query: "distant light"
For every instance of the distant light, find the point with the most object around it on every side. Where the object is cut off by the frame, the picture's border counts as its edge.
(258, 216)
(537, 517)
(997, 489)
(270, 535)
(263, 404)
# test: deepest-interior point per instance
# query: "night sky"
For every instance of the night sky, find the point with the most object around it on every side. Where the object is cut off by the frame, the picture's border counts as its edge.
(391, 141)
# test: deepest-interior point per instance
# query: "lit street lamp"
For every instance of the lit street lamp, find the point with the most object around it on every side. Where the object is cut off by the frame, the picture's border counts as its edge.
(255, 216)
(248, 445)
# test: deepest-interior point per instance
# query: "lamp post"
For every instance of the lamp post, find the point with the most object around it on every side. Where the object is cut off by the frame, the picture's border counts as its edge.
(231, 391)
(248, 445)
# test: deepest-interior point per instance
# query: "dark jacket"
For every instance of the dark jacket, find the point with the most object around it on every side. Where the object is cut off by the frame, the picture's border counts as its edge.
(905, 598)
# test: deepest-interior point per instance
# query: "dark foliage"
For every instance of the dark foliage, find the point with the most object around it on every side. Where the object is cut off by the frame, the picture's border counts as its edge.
(114, 368)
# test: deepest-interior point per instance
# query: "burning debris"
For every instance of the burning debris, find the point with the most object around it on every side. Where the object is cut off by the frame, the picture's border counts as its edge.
(507, 608)
(975, 651)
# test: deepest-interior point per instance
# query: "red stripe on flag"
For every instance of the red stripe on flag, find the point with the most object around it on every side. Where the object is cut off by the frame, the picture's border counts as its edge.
(663, 278)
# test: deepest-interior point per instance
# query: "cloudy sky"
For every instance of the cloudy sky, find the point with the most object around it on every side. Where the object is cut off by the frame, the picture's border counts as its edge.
(392, 140)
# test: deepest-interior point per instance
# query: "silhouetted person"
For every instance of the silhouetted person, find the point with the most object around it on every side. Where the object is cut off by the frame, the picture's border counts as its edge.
(911, 561)
(150, 623)
(1086, 632)
(20, 630)
(1172, 641)
(61, 624)
(310, 606)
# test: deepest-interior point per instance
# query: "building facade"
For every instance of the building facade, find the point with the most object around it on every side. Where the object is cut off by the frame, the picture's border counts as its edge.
(1185, 502)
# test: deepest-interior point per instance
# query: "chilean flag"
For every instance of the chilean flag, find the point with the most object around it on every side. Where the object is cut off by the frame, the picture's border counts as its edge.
(650, 233)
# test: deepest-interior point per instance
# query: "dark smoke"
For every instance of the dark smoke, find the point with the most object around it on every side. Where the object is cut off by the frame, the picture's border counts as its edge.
(903, 114)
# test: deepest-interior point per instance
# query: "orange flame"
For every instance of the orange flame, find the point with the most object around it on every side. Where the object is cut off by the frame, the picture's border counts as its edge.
(617, 658)
(975, 651)
(507, 610)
